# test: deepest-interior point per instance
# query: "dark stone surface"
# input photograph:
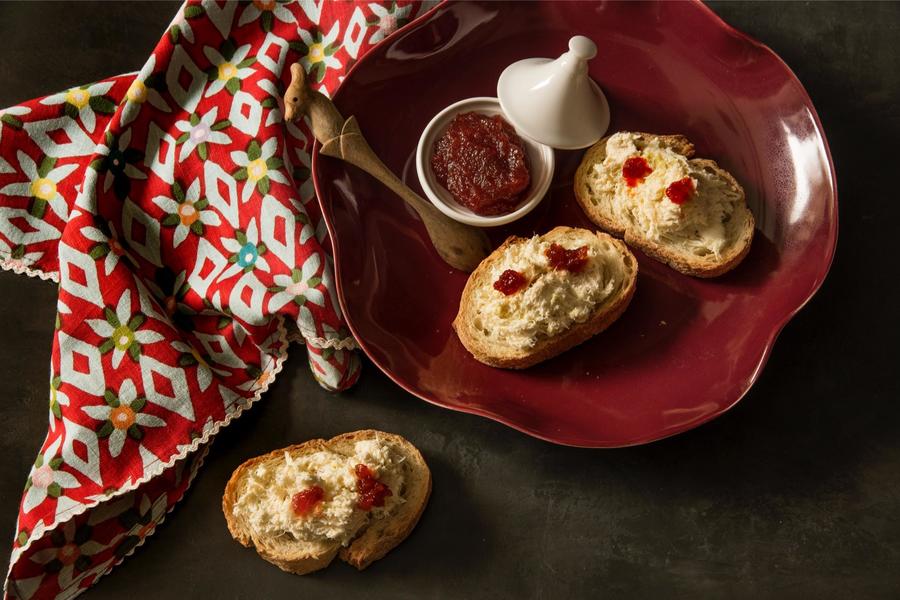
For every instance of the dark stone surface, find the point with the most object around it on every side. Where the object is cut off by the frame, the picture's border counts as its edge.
(795, 492)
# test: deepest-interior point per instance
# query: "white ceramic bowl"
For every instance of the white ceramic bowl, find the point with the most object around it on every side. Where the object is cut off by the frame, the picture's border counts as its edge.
(541, 163)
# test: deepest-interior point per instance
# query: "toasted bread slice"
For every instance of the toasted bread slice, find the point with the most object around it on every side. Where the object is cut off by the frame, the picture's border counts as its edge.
(555, 310)
(706, 236)
(257, 501)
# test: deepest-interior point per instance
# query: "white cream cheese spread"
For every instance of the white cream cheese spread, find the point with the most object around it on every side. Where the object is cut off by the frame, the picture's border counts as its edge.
(696, 225)
(552, 301)
(264, 499)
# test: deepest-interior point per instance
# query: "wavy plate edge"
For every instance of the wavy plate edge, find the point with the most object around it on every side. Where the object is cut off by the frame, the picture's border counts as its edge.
(766, 352)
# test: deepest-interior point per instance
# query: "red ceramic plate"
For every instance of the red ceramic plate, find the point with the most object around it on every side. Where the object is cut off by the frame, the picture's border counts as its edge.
(686, 350)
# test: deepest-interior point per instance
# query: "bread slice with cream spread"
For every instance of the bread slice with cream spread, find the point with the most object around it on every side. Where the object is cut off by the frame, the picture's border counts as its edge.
(704, 232)
(268, 502)
(551, 308)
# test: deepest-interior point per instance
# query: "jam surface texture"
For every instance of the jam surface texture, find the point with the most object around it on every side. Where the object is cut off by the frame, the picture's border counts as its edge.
(510, 282)
(569, 260)
(371, 491)
(482, 162)
(680, 191)
(635, 169)
(305, 501)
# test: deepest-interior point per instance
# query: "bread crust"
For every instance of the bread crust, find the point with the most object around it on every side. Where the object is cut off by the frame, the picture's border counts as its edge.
(696, 266)
(383, 535)
(604, 314)
(378, 536)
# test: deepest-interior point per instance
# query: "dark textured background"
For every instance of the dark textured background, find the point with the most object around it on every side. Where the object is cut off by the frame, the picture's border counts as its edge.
(795, 492)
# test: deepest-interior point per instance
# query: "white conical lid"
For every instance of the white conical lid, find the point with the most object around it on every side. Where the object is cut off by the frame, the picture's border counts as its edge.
(554, 101)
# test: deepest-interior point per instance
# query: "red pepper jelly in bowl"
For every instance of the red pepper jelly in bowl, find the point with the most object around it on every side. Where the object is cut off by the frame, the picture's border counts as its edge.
(482, 162)
(477, 168)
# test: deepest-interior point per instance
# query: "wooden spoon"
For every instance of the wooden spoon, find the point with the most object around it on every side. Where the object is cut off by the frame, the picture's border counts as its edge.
(461, 246)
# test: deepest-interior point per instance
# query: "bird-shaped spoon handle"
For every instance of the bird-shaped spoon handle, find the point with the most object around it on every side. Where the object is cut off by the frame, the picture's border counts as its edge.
(461, 246)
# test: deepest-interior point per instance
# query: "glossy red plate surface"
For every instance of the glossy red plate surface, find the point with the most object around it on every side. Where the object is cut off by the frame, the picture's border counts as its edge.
(687, 349)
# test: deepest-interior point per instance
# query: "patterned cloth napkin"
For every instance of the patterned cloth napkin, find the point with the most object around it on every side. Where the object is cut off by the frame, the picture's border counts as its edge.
(174, 207)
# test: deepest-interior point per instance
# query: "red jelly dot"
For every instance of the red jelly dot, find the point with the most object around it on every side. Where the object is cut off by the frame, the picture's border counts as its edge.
(304, 501)
(635, 169)
(371, 491)
(510, 282)
(680, 191)
(569, 260)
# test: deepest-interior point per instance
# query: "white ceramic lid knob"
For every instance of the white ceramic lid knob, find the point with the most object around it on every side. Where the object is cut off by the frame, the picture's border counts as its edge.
(555, 102)
(582, 47)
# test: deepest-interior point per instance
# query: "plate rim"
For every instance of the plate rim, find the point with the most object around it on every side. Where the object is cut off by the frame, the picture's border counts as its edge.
(574, 441)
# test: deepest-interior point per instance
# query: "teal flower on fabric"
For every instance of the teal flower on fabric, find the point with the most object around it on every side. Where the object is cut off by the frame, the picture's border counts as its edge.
(247, 252)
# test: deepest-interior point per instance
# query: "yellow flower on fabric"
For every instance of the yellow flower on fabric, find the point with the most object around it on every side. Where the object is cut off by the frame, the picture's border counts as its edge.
(145, 89)
(41, 184)
(78, 98)
(258, 167)
(84, 102)
(317, 51)
(316, 54)
(256, 170)
(137, 92)
(122, 337)
(227, 71)
(44, 189)
(123, 331)
(228, 66)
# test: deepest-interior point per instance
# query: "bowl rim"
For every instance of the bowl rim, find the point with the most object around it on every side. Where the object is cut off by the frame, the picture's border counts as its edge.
(536, 193)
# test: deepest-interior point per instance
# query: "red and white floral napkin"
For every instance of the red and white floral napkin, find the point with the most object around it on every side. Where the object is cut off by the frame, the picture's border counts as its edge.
(174, 208)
